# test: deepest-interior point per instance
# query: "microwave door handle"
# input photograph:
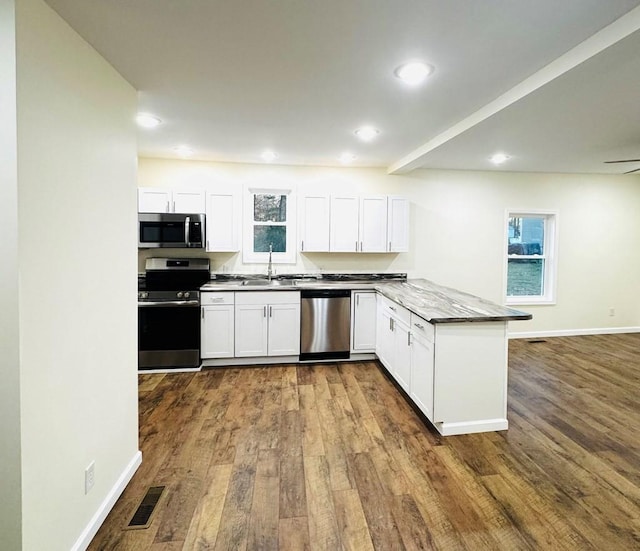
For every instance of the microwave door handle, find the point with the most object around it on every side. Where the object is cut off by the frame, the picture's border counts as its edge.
(187, 224)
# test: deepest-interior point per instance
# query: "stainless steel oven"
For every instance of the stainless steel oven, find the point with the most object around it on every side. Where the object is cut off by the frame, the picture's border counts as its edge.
(169, 313)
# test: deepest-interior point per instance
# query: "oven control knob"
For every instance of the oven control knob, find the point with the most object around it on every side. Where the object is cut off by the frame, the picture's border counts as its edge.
(179, 295)
(187, 294)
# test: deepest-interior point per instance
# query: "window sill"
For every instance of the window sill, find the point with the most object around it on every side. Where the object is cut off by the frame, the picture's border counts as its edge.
(530, 301)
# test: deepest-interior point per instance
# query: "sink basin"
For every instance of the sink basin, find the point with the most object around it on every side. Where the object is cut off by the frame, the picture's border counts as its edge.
(267, 283)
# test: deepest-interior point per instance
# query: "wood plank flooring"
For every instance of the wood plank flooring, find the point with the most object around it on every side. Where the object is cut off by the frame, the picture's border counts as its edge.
(330, 456)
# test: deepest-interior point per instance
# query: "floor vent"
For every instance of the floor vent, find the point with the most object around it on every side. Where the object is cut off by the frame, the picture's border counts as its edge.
(142, 517)
(536, 341)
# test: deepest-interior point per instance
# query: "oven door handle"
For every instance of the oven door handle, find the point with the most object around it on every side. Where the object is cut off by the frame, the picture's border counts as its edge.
(187, 229)
(169, 303)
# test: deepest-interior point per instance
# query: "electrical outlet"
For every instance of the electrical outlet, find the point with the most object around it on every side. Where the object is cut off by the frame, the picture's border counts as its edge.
(612, 311)
(89, 477)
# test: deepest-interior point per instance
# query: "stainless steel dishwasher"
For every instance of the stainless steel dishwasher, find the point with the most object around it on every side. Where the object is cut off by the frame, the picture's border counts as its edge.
(325, 324)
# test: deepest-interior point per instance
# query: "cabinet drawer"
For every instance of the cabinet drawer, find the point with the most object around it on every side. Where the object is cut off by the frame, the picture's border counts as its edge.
(395, 310)
(422, 328)
(216, 298)
(268, 297)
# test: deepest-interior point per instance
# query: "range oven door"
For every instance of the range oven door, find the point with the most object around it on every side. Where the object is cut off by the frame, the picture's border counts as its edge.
(168, 335)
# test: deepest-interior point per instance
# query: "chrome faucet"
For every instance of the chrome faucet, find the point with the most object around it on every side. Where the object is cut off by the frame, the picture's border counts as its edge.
(270, 267)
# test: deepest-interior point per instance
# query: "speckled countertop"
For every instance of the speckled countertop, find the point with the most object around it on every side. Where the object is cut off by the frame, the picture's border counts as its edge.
(438, 304)
(432, 302)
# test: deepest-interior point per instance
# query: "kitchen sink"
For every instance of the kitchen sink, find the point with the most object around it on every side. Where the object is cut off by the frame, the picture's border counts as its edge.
(267, 283)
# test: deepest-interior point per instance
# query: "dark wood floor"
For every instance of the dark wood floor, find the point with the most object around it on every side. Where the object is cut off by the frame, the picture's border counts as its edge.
(331, 457)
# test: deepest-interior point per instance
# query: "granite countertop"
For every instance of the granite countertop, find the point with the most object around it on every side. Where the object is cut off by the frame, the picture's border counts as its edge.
(432, 302)
(438, 304)
(293, 282)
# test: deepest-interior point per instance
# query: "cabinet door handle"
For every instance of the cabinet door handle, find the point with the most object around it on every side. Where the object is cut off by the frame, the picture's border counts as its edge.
(357, 300)
(270, 311)
(202, 312)
(392, 308)
(408, 338)
(302, 245)
(360, 246)
(389, 246)
(167, 210)
(174, 207)
(419, 325)
(391, 324)
(264, 311)
(356, 246)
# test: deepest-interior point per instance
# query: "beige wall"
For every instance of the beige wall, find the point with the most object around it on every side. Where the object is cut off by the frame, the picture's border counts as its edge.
(10, 470)
(77, 260)
(457, 231)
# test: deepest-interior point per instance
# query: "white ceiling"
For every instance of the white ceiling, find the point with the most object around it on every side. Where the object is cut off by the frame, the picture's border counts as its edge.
(231, 78)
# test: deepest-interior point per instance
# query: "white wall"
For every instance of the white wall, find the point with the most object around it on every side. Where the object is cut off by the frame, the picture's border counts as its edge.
(77, 257)
(10, 470)
(457, 231)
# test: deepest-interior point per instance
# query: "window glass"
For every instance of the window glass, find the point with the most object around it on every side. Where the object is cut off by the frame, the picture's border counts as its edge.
(530, 258)
(269, 208)
(525, 277)
(263, 236)
(526, 235)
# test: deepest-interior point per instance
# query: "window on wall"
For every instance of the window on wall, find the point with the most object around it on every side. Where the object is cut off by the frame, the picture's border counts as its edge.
(269, 226)
(531, 258)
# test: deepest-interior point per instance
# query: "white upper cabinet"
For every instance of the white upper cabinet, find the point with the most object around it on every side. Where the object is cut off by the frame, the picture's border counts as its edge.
(314, 225)
(367, 224)
(154, 200)
(223, 221)
(167, 200)
(188, 201)
(373, 224)
(344, 235)
(397, 224)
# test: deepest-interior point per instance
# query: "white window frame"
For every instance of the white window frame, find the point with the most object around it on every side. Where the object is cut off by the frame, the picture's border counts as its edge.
(550, 256)
(249, 256)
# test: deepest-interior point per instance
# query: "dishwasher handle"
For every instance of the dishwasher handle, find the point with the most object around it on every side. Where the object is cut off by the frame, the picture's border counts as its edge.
(324, 293)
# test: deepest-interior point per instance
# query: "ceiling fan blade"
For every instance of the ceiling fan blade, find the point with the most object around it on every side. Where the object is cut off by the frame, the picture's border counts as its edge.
(624, 161)
(634, 170)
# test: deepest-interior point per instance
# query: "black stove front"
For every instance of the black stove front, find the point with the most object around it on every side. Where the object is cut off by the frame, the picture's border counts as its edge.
(169, 313)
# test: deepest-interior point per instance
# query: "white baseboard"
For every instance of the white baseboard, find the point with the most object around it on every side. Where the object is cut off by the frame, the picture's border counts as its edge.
(105, 507)
(470, 427)
(572, 332)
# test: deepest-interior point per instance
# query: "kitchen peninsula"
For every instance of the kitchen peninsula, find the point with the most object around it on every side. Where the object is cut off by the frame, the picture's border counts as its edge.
(446, 349)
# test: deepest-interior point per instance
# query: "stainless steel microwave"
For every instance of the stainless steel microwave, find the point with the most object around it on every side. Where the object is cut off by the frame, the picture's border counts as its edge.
(169, 230)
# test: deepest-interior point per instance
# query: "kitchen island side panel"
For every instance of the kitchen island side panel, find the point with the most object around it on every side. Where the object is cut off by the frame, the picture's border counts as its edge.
(471, 373)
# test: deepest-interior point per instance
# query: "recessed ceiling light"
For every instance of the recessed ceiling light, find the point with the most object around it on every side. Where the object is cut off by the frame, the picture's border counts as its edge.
(183, 150)
(145, 120)
(347, 158)
(367, 133)
(499, 158)
(269, 156)
(413, 72)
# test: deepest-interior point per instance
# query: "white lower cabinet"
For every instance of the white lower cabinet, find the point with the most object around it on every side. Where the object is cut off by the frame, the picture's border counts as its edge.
(422, 363)
(217, 325)
(363, 320)
(267, 324)
(402, 355)
(393, 340)
(405, 347)
(384, 334)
